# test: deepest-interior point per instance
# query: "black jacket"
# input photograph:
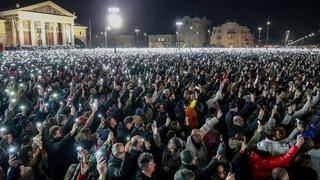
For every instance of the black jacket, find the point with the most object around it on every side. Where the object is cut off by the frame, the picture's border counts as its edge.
(123, 133)
(201, 173)
(134, 155)
(118, 169)
(61, 155)
(141, 176)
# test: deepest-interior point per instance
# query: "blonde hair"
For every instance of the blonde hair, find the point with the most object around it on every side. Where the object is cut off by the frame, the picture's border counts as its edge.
(138, 121)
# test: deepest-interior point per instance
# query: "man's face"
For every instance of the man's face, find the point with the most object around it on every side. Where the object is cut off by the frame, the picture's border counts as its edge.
(121, 153)
(161, 108)
(197, 136)
(151, 167)
(58, 134)
(113, 123)
(129, 126)
(238, 121)
(148, 100)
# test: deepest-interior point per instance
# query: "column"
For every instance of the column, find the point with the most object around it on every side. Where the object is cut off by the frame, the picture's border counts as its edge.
(72, 34)
(43, 33)
(63, 25)
(21, 33)
(14, 32)
(55, 37)
(32, 32)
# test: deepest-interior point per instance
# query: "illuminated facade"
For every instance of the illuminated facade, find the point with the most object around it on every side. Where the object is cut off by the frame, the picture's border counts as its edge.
(231, 35)
(193, 32)
(42, 24)
(162, 41)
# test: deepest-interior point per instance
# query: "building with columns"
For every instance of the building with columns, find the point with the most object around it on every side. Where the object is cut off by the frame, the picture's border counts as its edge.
(42, 24)
(231, 35)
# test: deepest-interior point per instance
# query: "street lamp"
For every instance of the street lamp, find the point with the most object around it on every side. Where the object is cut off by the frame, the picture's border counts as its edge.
(179, 24)
(287, 37)
(267, 36)
(259, 40)
(137, 33)
(115, 22)
(108, 28)
(145, 38)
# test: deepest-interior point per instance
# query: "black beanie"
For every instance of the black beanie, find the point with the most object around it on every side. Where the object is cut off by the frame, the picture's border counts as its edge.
(187, 157)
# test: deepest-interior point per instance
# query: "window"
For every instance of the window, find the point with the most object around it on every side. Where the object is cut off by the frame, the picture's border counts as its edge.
(80, 33)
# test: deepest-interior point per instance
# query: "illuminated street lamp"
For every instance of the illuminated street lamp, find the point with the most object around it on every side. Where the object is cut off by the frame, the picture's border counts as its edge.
(108, 28)
(115, 22)
(179, 24)
(145, 38)
(287, 37)
(137, 33)
(267, 36)
(259, 40)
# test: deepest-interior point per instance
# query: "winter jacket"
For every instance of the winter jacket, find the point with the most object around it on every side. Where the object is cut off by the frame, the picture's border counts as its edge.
(262, 168)
(118, 169)
(201, 173)
(141, 176)
(201, 152)
(171, 161)
(61, 155)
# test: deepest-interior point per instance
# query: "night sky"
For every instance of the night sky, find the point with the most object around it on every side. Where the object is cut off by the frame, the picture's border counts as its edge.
(158, 16)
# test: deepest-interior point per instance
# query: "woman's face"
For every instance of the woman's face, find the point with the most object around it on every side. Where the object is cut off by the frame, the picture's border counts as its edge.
(172, 147)
(9, 138)
(221, 172)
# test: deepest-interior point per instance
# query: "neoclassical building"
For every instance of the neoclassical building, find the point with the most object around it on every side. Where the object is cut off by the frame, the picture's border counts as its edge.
(232, 35)
(42, 24)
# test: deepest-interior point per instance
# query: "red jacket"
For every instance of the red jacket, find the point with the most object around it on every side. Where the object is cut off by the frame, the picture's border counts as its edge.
(81, 177)
(262, 168)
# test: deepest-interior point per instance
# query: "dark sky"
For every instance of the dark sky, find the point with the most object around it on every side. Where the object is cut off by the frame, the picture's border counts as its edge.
(158, 16)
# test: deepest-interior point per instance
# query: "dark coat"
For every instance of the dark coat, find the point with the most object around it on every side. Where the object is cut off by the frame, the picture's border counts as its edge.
(61, 155)
(118, 169)
(123, 133)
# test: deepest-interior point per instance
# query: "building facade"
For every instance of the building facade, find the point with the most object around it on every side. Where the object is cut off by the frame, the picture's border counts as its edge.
(231, 35)
(42, 24)
(162, 41)
(2, 32)
(80, 33)
(126, 41)
(194, 32)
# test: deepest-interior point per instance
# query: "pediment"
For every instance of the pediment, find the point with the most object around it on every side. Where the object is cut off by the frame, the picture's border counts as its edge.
(48, 7)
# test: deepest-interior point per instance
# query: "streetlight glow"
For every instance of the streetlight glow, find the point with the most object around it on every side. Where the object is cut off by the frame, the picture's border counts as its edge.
(115, 21)
(179, 24)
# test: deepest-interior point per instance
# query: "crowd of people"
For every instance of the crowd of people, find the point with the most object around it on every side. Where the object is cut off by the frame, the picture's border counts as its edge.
(220, 114)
